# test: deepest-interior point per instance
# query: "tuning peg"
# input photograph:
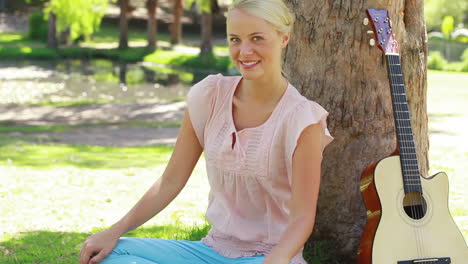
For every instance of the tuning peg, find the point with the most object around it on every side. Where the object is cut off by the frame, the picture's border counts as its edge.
(365, 21)
(372, 42)
(370, 32)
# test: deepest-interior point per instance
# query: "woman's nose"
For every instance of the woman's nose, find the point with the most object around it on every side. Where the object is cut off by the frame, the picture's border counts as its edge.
(246, 49)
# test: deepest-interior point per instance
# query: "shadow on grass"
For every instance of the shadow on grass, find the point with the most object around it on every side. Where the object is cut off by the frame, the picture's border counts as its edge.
(63, 247)
(28, 152)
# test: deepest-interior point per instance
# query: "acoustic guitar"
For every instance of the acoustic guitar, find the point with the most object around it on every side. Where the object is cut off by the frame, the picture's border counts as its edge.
(408, 219)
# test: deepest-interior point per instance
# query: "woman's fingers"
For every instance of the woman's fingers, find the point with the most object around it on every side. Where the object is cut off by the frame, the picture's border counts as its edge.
(86, 252)
(99, 257)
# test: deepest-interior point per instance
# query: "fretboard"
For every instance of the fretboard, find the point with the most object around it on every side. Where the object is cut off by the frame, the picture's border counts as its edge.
(407, 148)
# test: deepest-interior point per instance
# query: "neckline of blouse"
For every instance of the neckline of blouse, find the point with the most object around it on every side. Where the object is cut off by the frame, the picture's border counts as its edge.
(271, 117)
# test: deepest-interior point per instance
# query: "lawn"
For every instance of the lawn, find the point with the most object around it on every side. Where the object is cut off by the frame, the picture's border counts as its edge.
(53, 196)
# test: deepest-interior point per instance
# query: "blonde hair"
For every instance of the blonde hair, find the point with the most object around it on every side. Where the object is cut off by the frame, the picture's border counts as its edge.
(273, 11)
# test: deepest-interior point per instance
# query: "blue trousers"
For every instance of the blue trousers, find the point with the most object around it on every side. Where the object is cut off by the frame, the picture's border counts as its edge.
(163, 251)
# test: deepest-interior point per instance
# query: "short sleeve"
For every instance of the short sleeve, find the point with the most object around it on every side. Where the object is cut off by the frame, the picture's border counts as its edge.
(200, 102)
(306, 114)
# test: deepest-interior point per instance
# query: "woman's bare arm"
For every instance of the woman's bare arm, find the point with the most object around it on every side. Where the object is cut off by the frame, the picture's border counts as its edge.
(305, 189)
(186, 153)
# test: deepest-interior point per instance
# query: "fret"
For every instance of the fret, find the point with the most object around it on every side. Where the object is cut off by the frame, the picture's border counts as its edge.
(398, 90)
(394, 59)
(411, 175)
(410, 162)
(405, 138)
(407, 170)
(408, 152)
(402, 115)
(404, 129)
(412, 178)
(397, 79)
(399, 98)
(411, 167)
(401, 107)
(409, 155)
(395, 68)
(404, 123)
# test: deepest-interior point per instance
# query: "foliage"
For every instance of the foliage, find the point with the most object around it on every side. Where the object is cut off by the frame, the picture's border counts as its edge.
(436, 61)
(82, 17)
(460, 35)
(464, 59)
(447, 27)
(436, 10)
(203, 5)
(38, 26)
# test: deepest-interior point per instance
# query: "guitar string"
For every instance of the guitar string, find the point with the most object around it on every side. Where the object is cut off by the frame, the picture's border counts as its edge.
(406, 145)
(391, 62)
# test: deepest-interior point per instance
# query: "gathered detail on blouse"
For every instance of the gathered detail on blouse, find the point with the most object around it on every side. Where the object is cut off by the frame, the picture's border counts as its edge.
(250, 170)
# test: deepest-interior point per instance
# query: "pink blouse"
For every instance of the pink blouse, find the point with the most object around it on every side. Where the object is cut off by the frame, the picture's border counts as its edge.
(250, 170)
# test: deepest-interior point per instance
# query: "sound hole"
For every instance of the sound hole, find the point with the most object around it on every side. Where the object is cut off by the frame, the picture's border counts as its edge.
(415, 205)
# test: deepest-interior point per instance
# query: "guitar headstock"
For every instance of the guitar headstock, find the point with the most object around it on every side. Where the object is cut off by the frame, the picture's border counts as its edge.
(382, 27)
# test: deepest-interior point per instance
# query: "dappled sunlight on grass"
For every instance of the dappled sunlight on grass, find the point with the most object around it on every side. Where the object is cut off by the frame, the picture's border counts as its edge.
(64, 198)
(40, 156)
(448, 133)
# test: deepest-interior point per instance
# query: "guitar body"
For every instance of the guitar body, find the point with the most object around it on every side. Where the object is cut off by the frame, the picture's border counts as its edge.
(391, 235)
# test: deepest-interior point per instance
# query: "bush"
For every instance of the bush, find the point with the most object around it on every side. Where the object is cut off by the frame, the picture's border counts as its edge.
(436, 61)
(464, 59)
(38, 26)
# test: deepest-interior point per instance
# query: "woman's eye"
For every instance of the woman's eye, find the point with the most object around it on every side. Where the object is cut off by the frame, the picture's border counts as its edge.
(234, 39)
(257, 38)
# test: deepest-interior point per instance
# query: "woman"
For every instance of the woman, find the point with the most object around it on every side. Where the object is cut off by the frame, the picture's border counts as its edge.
(263, 144)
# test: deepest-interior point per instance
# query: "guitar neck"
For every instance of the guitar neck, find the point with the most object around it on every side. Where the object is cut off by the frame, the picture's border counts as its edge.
(407, 149)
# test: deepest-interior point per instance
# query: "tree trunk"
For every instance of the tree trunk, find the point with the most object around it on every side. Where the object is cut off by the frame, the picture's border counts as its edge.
(123, 40)
(152, 27)
(176, 26)
(330, 61)
(206, 47)
(52, 31)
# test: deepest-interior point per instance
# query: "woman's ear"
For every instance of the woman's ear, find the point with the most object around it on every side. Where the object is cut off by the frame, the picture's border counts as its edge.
(285, 39)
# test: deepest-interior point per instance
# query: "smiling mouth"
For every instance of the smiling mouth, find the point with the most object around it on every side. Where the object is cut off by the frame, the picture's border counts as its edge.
(249, 63)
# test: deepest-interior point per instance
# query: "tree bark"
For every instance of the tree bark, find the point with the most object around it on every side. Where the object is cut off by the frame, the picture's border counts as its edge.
(176, 26)
(123, 39)
(330, 61)
(52, 31)
(152, 29)
(206, 47)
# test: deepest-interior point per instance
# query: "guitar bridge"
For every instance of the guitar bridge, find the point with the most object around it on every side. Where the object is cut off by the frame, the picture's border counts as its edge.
(426, 261)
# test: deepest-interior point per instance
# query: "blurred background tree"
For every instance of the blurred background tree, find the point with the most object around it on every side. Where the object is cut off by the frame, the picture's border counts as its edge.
(81, 17)
(436, 10)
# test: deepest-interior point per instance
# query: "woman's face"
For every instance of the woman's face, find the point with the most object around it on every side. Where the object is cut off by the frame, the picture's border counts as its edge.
(254, 45)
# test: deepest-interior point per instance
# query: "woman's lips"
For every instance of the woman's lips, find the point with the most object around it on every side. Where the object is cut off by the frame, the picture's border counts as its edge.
(249, 64)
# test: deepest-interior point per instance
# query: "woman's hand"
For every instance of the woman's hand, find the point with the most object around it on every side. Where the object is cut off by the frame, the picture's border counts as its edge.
(98, 246)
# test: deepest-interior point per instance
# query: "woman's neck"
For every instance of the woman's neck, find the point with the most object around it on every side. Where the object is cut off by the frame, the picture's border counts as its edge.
(262, 91)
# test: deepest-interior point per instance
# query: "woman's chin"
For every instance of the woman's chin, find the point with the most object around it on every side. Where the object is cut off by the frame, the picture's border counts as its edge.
(249, 75)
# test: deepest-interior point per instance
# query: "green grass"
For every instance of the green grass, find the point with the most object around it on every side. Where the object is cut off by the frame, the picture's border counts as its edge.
(24, 153)
(448, 126)
(53, 195)
(7, 126)
(18, 46)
